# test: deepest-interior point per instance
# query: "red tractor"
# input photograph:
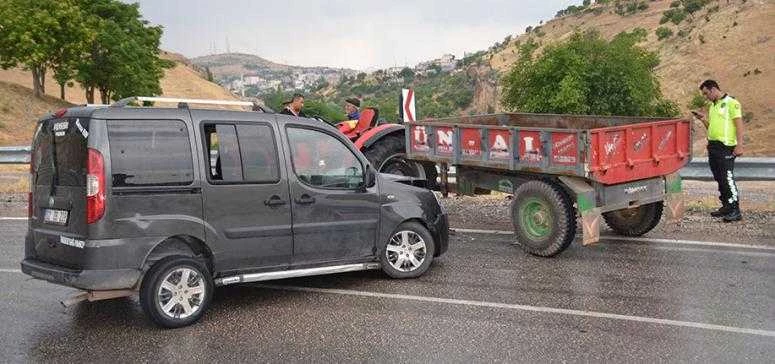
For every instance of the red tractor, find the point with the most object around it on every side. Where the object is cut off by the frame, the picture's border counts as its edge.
(384, 145)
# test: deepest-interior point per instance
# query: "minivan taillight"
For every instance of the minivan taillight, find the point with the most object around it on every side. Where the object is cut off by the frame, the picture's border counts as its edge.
(32, 187)
(95, 187)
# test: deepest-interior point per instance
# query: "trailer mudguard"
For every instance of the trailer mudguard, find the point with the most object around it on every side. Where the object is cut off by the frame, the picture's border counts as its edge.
(586, 205)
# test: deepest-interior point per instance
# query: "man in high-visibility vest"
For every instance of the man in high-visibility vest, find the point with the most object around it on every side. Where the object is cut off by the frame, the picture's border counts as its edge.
(724, 122)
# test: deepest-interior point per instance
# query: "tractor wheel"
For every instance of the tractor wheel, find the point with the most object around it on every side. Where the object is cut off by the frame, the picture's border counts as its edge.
(388, 155)
(635, 221)
(543, 217)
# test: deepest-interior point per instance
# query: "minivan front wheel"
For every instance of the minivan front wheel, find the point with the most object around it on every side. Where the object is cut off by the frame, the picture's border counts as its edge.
(176, 291)
(409, 251)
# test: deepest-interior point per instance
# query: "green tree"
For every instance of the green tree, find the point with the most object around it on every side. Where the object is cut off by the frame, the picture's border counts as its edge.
(587, 75)
(71, 47)
(41, 35)
(275, 98)
(407, 74)
(123, 58)
(328, 111)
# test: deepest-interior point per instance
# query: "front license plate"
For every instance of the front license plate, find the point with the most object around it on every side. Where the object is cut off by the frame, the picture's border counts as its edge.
(56, 217)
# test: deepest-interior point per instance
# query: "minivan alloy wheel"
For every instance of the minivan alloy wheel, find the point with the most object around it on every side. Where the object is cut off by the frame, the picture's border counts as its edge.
(181, 293)
(406, 251)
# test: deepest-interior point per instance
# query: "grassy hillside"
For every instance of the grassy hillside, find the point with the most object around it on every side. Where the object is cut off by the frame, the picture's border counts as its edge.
(730, 41)
(19, 110)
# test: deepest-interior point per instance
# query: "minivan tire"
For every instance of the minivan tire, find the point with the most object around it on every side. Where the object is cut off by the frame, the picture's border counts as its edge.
(169, 272)
(410, 244)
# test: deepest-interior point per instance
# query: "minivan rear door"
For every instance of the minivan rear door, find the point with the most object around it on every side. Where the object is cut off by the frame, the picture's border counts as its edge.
(246, 198)
(58, 221)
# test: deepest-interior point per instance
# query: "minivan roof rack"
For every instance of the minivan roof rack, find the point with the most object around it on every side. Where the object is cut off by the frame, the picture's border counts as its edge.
(183, 103)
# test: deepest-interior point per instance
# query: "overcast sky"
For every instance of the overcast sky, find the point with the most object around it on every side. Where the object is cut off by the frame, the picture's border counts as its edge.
(342, 33)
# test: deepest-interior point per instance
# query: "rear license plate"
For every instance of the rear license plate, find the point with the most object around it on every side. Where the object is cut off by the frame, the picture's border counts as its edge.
(56, 217)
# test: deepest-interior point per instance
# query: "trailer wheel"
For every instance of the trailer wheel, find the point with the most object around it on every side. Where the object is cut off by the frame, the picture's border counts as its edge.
(543, 218)
(635, 221)
(388, 155)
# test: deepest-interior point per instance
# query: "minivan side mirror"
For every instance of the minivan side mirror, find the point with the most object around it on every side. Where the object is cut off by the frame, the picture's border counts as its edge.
(369, 177)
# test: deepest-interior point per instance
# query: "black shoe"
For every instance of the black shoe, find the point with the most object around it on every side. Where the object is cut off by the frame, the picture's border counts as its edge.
(722, 211)
(733, 215)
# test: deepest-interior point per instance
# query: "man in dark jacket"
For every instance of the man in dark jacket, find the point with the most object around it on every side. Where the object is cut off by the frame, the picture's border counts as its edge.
(294, 106)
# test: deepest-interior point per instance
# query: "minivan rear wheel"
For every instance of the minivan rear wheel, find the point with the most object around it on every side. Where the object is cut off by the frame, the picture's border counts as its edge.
(409, 251)
(176, 291)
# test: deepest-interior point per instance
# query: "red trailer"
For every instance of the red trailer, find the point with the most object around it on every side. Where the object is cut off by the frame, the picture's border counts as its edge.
(559, 167)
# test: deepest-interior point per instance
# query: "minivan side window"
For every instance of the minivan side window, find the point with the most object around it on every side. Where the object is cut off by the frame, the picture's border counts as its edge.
(150, 153)
(321, 160)
(241, 153)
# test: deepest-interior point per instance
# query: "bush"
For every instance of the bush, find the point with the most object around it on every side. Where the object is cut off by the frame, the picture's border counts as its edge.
(663, 33)
(676, 16)
(587, 75)
(698, 101)
(692, 6)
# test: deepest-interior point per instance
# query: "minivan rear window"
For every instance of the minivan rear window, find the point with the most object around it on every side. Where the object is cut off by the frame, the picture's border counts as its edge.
(150, 153)
(59, 152)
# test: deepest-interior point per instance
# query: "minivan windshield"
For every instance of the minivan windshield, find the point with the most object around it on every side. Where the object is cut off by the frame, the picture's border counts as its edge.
(59, 152)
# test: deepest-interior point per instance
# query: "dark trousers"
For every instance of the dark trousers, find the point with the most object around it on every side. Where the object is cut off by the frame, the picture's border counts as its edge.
(722, 164)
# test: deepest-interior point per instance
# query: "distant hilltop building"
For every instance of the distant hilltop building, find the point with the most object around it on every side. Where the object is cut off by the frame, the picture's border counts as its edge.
(447, 63)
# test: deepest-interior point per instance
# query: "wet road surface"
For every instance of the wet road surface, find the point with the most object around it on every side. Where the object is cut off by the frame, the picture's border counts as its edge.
(484, 301)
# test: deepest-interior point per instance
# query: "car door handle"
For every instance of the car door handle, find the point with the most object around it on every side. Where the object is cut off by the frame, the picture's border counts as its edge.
(305, 200)
(274, 201)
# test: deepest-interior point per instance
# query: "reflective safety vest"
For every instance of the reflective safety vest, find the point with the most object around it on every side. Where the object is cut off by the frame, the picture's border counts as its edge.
(721, 120)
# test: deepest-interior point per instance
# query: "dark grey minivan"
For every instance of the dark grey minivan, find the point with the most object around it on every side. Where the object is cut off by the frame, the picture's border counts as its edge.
(172, 202)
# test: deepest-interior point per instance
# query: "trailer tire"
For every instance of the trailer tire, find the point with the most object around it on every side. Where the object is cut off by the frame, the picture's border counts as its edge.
(543, 217)
(635, 221)
(388, 155)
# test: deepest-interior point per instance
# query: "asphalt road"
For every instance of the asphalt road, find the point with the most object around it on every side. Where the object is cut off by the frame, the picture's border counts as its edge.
(484, 301)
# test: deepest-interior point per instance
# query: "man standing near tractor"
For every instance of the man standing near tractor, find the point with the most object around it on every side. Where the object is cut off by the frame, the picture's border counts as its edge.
(293, 107)
(725, 143)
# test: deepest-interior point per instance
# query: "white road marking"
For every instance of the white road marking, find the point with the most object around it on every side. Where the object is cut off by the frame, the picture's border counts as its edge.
(14, 218)
(479, 231)
(562, 311)
(541, 309)
(689, 242)
(715, 251)
(644, 240)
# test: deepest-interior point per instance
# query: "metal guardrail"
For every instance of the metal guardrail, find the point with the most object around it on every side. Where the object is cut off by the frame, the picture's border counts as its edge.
(14, 155)
(746, 168)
